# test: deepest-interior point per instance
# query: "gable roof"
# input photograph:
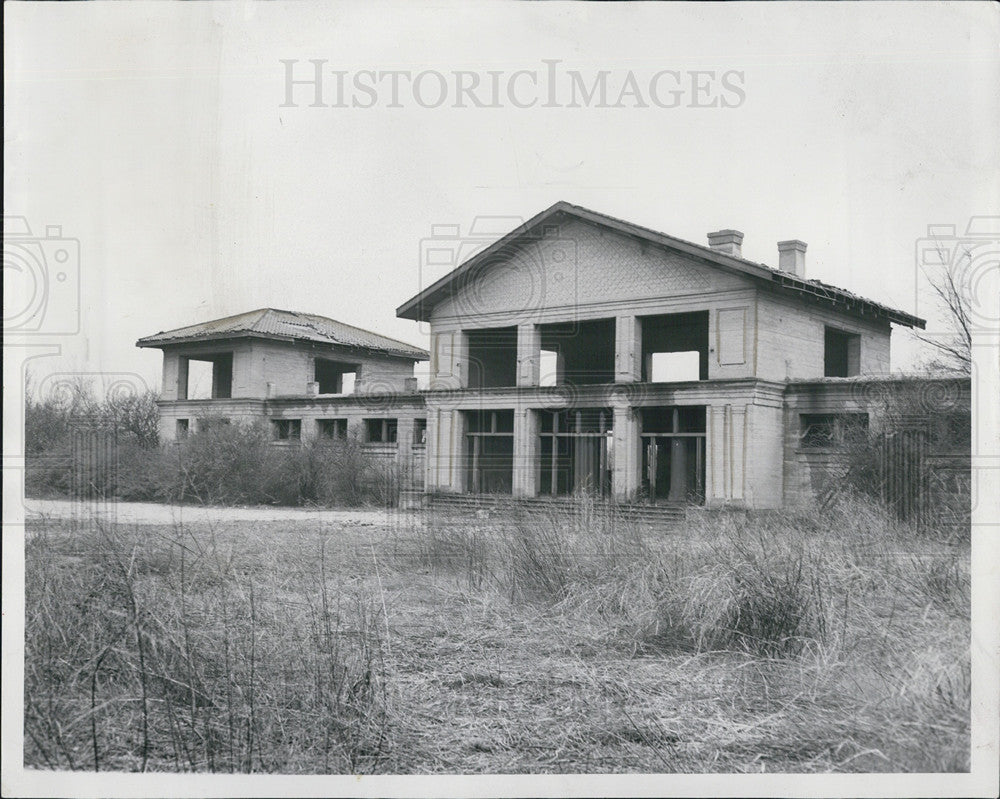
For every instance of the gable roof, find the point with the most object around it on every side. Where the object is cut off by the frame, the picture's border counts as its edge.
(279, 325)
(420, 306)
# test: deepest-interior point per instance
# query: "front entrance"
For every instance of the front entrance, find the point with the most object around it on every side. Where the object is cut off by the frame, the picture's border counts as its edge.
(673, 454)
(575, 452)
(489, 452)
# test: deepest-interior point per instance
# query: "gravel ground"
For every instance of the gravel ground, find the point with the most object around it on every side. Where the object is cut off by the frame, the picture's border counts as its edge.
(154, 513)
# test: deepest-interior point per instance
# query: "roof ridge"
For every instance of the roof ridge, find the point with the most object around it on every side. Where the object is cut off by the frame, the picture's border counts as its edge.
(771, 275)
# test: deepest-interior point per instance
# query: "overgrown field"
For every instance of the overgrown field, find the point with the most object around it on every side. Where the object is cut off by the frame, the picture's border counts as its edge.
(514, 643)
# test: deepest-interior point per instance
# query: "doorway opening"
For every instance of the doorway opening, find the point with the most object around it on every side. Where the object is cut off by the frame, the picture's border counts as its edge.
(575, 452)
(489, 452)
(673, 454)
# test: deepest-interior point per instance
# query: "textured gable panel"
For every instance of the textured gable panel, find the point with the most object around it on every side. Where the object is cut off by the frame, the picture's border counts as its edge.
(582, 264)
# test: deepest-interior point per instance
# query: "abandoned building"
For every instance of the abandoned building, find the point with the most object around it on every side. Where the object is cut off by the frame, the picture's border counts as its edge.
(577, 353)
(305, 375)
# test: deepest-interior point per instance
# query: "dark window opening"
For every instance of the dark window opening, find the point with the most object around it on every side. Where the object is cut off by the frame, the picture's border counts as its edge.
(489, 451)
(841, 353)
(419, 432)
(576, 451)
(287, 429)
(380, 431)
(183, 428)
(673, 456)
(831, 430)
(675, 347)
(492, 357)
(332, 428)
(207, 423)
(335, 377)
(582, 353)
(217, 370)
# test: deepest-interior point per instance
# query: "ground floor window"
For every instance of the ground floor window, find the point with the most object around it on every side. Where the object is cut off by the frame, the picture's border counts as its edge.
(419, 432)
(830, 430)
(183, 426)
(489, 451)
(673, 454)
(332, 428)
(381, 431)
(287, 429)
(575, 451)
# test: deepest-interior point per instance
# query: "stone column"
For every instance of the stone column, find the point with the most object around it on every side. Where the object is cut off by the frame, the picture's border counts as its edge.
(627, 454)
(529, 348)
(526, 450)
(628, 349)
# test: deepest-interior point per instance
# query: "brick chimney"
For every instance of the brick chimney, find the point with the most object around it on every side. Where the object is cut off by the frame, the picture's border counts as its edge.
(727, 241)
(792, 257)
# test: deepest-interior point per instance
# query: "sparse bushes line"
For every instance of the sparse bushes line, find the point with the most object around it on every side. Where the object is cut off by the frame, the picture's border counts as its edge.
(221, 464)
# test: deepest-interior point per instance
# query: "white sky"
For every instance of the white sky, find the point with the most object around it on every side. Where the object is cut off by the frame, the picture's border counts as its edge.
(152, 133)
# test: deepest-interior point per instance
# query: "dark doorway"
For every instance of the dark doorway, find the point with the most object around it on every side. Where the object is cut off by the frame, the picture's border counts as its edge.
(575, 452)
(673, 454)
(489, 452)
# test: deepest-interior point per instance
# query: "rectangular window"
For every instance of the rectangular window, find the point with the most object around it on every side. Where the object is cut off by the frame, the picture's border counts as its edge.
(335, 377)
(841, 353)
(206, 376)
(492, 357)
(830, 430)
(287, 429)
(207, 423)
(675, 347)
(577, 353)
(419, 432)
(332, 428)
(183, 426)
(380, 431)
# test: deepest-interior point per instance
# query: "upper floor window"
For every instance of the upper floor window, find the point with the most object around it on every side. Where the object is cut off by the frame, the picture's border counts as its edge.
(208, 376)
(841, 353)
(675, 347)
(335, 377)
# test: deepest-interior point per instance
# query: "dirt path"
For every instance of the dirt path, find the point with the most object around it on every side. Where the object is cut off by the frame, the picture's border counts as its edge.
(154, 513)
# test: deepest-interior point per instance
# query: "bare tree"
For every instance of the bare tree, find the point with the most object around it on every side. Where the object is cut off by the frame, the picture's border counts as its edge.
(952, 352)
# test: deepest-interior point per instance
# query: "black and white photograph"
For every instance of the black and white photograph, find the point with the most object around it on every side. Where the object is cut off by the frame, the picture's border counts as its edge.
(488, 399)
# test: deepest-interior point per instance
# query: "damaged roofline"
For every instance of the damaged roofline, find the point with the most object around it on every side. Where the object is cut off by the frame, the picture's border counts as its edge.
(156, 342)
(419, 307)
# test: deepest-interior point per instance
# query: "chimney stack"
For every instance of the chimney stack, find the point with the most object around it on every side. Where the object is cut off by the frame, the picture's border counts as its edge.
(792, 257)
(727, 241)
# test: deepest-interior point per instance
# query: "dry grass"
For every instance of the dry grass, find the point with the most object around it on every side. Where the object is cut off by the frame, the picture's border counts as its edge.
(516, 643)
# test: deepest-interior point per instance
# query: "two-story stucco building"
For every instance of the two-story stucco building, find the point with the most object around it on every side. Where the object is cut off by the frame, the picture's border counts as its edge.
(306, 375)
(577, 353)
(581, 352)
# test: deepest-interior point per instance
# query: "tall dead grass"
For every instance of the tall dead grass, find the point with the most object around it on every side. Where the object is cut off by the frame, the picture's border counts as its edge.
(842, 608)
(154, 649)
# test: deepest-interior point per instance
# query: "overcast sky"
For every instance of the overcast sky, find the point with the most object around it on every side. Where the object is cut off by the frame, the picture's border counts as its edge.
(154, 134)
